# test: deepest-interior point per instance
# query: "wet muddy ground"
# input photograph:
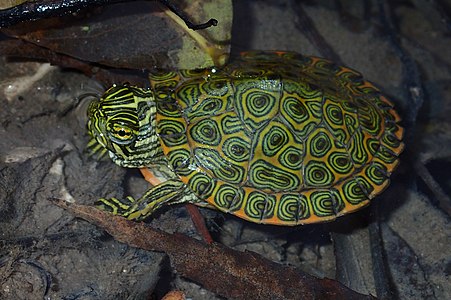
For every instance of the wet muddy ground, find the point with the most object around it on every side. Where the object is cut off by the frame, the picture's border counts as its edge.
(48, 253)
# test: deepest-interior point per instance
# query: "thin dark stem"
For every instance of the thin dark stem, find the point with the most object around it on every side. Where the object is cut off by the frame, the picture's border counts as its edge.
(185, 18)
(56, 8)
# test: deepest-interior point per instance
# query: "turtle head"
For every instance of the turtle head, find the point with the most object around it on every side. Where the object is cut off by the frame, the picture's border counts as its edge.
(122, 122)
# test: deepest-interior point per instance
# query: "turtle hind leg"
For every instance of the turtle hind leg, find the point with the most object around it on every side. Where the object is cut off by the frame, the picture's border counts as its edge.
(172, 191)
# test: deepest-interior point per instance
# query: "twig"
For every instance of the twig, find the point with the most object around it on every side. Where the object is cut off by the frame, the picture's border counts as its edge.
(226, 272)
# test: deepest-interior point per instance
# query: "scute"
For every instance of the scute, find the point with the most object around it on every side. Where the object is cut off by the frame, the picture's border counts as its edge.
(277, 137)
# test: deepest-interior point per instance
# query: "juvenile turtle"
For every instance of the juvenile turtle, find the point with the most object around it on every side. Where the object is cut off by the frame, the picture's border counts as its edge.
(273, 138)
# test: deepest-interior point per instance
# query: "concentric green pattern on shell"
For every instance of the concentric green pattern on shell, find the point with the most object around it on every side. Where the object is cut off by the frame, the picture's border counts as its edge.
(277, 137)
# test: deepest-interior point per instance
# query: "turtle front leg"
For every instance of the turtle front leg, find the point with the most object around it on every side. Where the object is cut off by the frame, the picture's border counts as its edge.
(172, 191)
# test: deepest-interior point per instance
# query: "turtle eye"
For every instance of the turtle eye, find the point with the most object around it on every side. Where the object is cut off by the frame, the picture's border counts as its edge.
(121, 134)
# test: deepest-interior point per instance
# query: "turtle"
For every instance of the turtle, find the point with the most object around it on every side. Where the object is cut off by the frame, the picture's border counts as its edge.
(272, 137)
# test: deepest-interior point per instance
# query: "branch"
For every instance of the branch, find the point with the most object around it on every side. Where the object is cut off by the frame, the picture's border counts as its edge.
(226, 272)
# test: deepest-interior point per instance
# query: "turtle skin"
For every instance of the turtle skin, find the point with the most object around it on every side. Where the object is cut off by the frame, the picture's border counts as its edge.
(273, 137)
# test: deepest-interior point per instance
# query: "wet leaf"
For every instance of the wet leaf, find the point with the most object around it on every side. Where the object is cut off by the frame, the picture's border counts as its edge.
(140, 35)
(10, 3)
